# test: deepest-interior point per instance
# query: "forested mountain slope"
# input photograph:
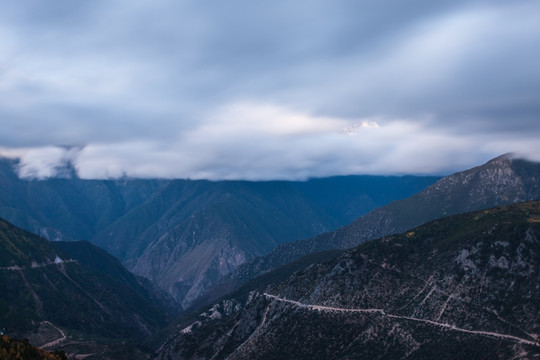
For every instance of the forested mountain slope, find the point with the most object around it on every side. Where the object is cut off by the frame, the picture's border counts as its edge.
(43, 285)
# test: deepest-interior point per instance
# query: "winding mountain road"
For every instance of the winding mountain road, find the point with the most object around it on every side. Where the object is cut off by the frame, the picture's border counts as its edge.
(57, 341)
(35, 265)
(383, 313)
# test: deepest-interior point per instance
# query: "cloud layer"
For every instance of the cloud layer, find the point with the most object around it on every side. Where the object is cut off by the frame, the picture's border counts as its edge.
(276, 90)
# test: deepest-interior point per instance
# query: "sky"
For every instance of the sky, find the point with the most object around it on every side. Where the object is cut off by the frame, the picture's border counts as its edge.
(255, 90)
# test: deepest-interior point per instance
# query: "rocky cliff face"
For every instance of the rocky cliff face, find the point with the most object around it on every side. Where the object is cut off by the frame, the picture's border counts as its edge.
(191, 234)
(460, 287)
(187, 251)
(503, 180)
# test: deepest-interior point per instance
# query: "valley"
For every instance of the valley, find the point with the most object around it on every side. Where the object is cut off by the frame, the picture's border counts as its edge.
(206, 284)
(185, 235)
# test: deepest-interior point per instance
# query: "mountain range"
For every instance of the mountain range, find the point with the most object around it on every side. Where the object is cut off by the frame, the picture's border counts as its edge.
(500, 181)
(460, 287)
(185, 235)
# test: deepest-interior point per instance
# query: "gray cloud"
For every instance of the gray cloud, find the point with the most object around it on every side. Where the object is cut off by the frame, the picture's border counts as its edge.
(245, 90)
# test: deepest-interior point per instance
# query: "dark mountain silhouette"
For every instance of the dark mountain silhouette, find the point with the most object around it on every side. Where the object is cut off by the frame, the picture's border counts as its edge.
(77, 287)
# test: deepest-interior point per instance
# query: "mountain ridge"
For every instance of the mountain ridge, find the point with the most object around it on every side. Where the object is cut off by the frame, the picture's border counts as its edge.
(46, 290)
(457, 287)
(500, 181)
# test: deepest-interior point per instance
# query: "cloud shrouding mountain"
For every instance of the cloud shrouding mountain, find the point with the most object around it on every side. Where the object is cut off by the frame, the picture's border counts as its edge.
(265, 91)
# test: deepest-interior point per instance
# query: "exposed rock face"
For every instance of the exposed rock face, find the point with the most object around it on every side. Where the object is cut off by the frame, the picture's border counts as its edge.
(186, 251)
(205, 230)
(466, 286)
(503, 180)
(187, 271)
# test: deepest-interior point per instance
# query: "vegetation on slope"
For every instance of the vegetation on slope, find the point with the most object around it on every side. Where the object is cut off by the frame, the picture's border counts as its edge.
(40, 282)
(458, 287)
(503, 180)
(13, 349)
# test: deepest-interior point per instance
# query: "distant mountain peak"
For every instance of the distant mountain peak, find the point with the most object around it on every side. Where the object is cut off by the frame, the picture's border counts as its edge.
(504, 158)
(500, 162)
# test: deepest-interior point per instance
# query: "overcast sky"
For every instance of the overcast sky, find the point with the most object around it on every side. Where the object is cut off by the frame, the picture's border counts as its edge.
(245, 89)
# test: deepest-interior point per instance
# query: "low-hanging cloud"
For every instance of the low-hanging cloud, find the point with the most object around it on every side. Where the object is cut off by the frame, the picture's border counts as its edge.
(243, 142)
(266, 91)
